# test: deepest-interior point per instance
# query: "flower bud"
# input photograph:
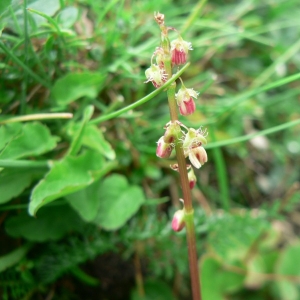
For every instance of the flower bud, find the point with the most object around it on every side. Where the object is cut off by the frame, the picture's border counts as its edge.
(178, 222)
(194, 138)
(192, 178)
(163, 149)
(187, 108)
(185, 101)
(179, 51)
(172, 132)
(159, 18)
(197, 156)
(156, 75)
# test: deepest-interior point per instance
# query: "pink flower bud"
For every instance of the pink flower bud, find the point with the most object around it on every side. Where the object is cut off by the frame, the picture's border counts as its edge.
(197, 156)
(179, 51)
(187, 108)
(192, 178)
(185, 101)
(163, 149)
(178, 222)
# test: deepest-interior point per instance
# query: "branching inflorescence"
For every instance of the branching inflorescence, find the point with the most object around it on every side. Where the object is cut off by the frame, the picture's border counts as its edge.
(187, 142)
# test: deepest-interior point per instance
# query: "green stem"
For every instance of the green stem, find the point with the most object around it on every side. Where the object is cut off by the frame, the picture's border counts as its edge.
(33, 117)
(141, 101)
(252, 135)
(221, 173)
(9, 163)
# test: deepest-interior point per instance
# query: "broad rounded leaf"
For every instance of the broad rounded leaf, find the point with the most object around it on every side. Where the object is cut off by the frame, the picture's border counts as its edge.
(47, 7)
(68, 16)
(216, 281)
(118, 202)
(86, 201)
(14, 181)
(52, 223)
(8, 132)
(76, 85)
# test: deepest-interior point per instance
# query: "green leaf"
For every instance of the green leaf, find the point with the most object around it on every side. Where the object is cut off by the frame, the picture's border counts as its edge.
(258, 266)
(14, 181)
(76, 85)
(34, 139)
(4, 4)
(86, 201)
(67, 176)
(52, 223)
(9, 132)
(118, 202)
(13, 257)
(288, 265)
(232, 235)
(154, 289)
(47, 7)
(76, 143)
(68, 16)
(216, 281)
(94, 139)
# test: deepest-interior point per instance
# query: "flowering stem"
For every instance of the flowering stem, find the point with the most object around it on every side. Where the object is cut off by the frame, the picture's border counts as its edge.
(185, 143)
(188, 206)
(189, 220)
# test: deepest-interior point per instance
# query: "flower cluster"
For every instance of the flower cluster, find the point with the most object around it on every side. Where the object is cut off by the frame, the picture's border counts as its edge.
(191, 141)
(156, 73)
(192, 145)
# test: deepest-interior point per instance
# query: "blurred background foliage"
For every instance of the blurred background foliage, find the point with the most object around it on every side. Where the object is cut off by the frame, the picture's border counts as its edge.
(102, 200)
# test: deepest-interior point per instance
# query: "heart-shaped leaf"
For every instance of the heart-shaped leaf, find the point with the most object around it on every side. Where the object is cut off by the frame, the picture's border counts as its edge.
(86, 201)
(119, 201)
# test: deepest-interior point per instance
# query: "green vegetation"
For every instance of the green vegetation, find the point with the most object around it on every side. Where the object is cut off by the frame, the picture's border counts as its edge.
(85, 204)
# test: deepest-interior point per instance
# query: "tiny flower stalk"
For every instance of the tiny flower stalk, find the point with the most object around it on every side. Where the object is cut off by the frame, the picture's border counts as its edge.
(187, 142)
